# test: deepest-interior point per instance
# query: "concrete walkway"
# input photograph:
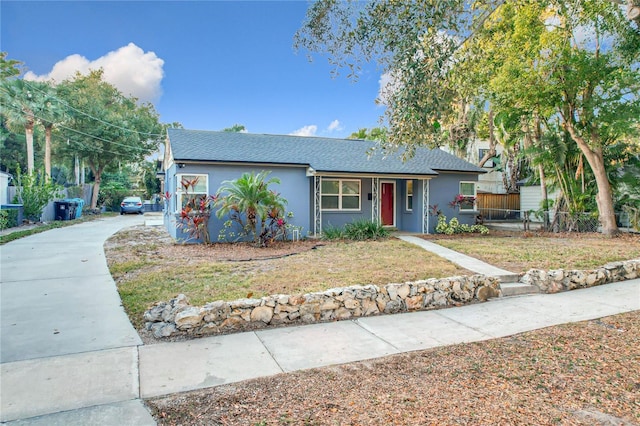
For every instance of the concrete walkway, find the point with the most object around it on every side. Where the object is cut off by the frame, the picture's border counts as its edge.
(98, 380)
(467, 262)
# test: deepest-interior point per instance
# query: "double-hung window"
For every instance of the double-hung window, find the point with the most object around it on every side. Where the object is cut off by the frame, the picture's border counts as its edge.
(191, 185)
(409, 201)
(340, 194)
(468, 192)
(489, 163)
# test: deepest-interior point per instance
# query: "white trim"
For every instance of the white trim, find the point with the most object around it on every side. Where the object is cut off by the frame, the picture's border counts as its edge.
(180, 192)
(340, 195)
(425, 206)
(317, 211)
(406, 195)
(393, 182)
(375, 204)
(475, 195)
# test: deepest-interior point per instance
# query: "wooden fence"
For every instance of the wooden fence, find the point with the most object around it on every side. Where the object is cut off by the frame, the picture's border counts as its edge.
(499, 206)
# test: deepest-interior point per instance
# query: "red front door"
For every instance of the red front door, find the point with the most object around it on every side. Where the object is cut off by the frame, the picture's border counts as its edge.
(387, 203)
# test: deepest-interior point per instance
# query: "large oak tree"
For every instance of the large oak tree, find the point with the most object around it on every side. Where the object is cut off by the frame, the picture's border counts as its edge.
(592, 86)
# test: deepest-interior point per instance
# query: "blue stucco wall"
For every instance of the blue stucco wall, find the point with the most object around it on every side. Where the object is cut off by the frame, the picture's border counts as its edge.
(409, 221)
(293, 187)
(298, 189)
(340, 218)
(442, 190)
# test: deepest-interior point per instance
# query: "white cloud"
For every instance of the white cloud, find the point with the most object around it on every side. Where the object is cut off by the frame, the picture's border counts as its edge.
(334, 126)
(309, 130)
(387, 84)
(130, 69)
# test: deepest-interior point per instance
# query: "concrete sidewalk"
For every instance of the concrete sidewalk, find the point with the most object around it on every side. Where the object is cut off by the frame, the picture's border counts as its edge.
(177, 367)
(65, 364)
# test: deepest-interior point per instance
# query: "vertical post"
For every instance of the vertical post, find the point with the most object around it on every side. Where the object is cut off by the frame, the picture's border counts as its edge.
(317, 205)
(425, 206)
(375, 201)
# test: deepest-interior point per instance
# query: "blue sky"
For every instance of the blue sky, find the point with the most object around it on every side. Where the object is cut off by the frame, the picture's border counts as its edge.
(205, 64)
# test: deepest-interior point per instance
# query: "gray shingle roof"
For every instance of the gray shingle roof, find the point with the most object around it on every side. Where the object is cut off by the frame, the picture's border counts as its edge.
(322, 154)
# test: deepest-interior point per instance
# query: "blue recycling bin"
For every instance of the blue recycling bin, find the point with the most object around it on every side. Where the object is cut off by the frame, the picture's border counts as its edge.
(79, 202)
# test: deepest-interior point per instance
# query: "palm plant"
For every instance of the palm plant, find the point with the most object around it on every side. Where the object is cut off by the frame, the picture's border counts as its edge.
(50, 113)
(249, 202)
(18, 106)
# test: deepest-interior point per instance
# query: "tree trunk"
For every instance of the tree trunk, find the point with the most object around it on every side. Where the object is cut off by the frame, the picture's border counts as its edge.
(47, 151)
(29, 135)
(492, 143)
(604, 198)
(96, 186)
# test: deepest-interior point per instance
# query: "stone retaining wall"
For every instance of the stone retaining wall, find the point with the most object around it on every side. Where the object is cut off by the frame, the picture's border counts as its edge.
(558, 280)
(177, 316)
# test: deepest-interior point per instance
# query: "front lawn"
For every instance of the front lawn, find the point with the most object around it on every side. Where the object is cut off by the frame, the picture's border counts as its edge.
(149, 267)
(519, 252)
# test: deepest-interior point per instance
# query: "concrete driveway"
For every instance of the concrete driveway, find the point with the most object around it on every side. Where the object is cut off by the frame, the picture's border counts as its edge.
(65, 340)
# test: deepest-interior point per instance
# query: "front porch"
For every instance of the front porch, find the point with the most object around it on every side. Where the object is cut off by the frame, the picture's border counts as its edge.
(397, 202)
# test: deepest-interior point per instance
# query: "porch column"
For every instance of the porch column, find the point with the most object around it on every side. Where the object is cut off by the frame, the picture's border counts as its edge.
(375, 200)
(317, 205)
(425, 206)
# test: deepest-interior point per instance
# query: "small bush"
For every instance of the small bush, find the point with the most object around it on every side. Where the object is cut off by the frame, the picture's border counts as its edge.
(331, 232)
(359, 230)
(4, 219)
(454, 227)
(365, 230)
(111, 195)
(34, 192)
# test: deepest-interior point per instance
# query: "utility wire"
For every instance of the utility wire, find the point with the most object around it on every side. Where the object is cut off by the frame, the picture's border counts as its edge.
(86, 114)
(82, 133)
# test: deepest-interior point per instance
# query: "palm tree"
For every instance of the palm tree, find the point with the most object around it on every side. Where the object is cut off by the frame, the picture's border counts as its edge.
(50, 114)
(18, 106)
(249, 199)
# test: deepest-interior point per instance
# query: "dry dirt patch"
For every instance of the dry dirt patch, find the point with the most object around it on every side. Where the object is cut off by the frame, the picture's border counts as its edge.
(575, 374)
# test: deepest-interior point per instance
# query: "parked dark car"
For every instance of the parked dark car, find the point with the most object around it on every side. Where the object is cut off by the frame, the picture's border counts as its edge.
(132, 205)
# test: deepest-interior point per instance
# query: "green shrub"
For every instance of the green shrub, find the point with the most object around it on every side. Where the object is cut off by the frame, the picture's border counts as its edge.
(359, 230)
(365, 230)
(111, 195)
(454, 227)
(4, 219)
(34, 192)
(331, 232)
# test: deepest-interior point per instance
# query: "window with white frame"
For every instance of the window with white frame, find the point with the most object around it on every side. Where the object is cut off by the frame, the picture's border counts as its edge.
(489, 163)
(340, 194)
(468, 193)
(409, 200)
(190, 184)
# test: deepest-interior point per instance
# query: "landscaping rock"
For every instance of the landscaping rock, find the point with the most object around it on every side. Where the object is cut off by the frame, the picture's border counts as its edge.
(262, 313)
(166, 318)
(189, 317)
